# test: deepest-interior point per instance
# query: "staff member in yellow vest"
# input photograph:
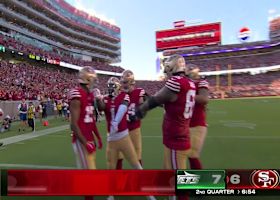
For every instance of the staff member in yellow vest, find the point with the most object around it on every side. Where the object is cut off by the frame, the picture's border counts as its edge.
(31, 116)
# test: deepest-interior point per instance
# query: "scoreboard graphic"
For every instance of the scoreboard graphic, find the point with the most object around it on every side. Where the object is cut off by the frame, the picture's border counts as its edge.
(189, 36)
(139, 182)
(228, 182)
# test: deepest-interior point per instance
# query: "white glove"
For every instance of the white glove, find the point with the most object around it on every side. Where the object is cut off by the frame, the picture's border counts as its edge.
(114, 127)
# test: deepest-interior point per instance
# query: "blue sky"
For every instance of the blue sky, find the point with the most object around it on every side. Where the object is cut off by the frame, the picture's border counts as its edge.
(139, 19)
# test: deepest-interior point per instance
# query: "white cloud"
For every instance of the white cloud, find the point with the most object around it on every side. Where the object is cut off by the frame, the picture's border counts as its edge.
(270, 18)
(79, 5)
(271, 11)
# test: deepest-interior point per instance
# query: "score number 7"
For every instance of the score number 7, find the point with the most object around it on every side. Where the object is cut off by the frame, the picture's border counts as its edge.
(217, 178)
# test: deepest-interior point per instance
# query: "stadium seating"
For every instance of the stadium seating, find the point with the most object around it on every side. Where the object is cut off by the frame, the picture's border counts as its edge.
(41, 82)
(29, 49)
(238, 62)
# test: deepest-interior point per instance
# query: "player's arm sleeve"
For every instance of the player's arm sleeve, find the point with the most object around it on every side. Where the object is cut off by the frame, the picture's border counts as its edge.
(74, 94)
(122, 109)
(161, 97)
(203, 92)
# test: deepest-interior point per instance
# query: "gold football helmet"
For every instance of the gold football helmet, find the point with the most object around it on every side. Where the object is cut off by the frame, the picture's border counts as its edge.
(114, 86)
(127, 80)
(88, 77)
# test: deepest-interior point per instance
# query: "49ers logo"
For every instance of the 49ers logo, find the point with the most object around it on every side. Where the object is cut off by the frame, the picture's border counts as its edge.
(265, 179)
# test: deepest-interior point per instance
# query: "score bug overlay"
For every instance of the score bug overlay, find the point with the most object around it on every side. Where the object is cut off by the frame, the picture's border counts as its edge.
(200, 179)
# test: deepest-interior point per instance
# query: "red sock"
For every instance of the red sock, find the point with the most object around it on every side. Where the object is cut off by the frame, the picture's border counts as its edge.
(89, 198)
(119, 164)
(141, 162)
(195, 163)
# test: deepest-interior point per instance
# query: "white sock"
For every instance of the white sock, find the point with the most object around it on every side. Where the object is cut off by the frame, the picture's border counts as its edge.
(137, 166)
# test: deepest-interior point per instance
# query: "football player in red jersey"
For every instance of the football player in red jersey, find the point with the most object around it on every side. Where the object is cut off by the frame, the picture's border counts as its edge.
(136, 96)
(178, 98)
(198, 125)
(82, 120)
(115, 106)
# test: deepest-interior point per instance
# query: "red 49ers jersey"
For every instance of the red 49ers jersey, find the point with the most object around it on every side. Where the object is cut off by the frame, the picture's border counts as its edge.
(178, 113)
(86, 120)
(199, 112)
(111, 109)
(135, 96)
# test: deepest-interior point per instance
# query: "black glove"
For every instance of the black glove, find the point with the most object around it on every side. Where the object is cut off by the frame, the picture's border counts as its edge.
(139, 114)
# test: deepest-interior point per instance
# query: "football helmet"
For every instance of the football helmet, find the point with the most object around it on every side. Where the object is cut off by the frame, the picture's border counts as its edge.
(127, 80)
(174, 64)
(113, 85)
(88, 77)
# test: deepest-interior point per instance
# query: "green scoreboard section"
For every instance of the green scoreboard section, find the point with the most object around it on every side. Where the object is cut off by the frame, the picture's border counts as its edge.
(200, 179)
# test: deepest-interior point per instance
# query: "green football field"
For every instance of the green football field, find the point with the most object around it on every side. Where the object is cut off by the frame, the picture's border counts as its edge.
(242, 134)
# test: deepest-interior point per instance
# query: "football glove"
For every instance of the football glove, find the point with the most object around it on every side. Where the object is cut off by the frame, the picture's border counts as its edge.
(90, 147)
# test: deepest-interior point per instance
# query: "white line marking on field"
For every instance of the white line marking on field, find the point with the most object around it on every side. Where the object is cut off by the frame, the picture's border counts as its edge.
(34, 166)
(28, 136)
(238, 124)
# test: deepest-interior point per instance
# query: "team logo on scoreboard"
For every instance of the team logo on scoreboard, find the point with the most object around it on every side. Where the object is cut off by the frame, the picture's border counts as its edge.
(188, 178)
(266, 179)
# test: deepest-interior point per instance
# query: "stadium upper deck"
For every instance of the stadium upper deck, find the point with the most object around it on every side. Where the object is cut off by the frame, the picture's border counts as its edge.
(54, 24)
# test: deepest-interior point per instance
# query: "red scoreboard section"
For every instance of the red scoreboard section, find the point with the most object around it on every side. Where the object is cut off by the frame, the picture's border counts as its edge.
(198, 35)
(139, 182)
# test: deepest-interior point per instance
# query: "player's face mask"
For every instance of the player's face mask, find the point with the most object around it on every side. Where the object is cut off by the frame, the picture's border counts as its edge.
(112, 89)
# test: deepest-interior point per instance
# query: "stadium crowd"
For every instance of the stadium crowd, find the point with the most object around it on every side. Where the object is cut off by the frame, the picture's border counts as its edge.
(238, 62)
(54, 54)
(23, 80)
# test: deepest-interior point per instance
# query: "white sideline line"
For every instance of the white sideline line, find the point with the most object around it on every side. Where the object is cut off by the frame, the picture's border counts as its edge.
(227, 137)
(34, 166)
(28, 136)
